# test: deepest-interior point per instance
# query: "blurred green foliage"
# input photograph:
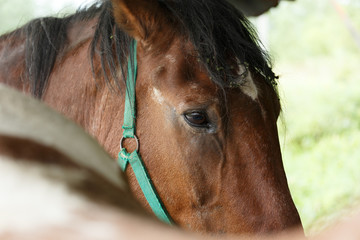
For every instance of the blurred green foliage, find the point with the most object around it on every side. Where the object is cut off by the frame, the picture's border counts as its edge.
(319, 67)
(15, 13)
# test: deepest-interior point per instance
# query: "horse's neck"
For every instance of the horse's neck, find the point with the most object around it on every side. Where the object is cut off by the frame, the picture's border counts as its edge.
(73, 91)
(71, 88)
(12, 61)
(13, 70)
(98, 111)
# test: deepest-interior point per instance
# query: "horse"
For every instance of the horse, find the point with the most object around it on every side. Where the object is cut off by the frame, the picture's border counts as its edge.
(206, 103)
(52, 173)
(64, 175)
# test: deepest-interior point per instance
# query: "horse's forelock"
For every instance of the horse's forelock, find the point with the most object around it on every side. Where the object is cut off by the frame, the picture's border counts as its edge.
(216, 29)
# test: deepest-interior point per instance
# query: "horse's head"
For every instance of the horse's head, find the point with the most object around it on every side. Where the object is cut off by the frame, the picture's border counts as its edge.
(207, 115)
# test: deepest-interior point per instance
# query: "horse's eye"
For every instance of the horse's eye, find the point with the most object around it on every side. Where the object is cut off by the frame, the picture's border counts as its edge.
(197, 119)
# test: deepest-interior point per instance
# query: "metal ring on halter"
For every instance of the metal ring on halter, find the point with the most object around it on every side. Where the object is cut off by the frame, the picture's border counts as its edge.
(136, 139)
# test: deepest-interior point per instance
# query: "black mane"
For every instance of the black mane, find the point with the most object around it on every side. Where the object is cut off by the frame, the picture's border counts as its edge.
(215, 27)
(219, 31)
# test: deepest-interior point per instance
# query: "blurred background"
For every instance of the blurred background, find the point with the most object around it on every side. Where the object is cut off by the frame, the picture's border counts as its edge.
(315, 47)
(316, 50)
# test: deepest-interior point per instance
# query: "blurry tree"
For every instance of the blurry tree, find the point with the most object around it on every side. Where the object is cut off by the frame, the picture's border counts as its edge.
(318, 63)
(15, 13)
(312, 26)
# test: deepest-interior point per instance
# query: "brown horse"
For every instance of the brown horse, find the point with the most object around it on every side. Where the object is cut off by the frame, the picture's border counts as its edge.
(50, 169)
(205, 96)
(53, 175)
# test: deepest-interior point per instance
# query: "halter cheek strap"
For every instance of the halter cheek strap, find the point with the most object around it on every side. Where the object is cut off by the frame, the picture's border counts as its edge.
(124, 158)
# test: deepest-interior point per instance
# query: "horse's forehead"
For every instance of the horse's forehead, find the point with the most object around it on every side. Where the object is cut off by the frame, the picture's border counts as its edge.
(187, 72)
(171, 58)
(179, 79)
(182, 52)
(182, 66)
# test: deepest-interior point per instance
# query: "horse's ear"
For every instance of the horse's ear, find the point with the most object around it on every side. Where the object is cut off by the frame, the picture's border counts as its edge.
(139, 18)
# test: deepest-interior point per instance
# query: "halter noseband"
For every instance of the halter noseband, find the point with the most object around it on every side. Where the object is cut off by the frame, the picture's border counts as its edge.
(124, 158)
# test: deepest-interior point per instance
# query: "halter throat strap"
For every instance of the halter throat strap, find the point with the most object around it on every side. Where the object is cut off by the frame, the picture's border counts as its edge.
(124, 158)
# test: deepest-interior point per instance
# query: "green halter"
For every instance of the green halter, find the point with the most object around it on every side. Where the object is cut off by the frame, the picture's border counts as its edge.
(124, 158)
